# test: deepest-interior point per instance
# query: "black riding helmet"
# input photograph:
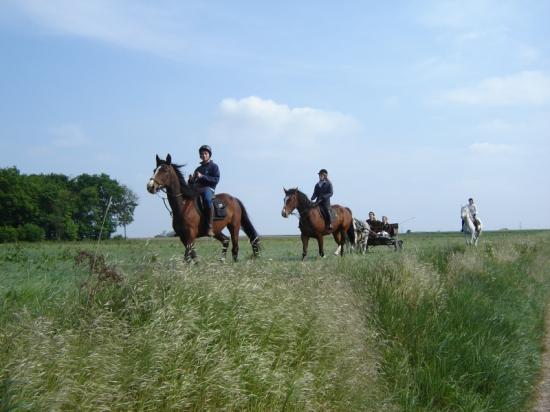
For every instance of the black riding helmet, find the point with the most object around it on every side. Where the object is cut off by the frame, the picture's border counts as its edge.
(206, 148)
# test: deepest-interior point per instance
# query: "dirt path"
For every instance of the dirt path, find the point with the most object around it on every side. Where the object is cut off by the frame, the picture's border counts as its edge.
(542, 403)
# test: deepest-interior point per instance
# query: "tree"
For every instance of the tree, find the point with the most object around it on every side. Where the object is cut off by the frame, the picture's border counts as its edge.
(17, 206)
(56, 207)
(94, 194)
(124, 206)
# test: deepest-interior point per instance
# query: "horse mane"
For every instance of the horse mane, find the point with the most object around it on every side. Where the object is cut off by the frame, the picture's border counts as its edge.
(186, 190)
(302, 198)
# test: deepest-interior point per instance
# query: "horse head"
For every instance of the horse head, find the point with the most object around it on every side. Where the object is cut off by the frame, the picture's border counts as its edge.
(290, 202)
(163, 175)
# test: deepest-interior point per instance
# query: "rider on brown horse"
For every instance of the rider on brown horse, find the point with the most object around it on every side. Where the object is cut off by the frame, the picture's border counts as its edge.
(323, 193)
(205, 179)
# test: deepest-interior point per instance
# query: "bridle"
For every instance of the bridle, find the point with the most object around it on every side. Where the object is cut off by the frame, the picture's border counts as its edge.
(162, 188)
(296, 212)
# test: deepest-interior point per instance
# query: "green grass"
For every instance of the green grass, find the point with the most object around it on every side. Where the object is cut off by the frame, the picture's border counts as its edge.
(436, 327)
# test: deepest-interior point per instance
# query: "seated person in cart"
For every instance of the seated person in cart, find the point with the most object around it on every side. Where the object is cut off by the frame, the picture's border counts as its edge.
(386, 228)
(381, 228)
(374, 224)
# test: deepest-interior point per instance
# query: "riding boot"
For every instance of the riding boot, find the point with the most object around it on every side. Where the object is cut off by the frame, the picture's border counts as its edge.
(210, 220)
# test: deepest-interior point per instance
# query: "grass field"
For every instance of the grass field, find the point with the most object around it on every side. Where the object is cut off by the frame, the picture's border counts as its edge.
(437, 326)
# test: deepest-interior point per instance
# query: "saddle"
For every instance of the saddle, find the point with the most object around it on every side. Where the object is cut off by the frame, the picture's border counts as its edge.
(220, 208)
(333, 214)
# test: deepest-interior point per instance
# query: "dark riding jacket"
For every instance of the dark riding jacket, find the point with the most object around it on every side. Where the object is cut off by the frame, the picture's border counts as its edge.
(210, 175)
(323, 192)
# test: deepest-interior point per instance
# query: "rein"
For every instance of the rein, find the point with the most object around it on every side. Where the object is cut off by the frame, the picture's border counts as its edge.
(164, 199)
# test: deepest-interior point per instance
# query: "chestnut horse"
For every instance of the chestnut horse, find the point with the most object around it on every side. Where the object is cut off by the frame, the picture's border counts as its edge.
(189, 222)
(312, 223)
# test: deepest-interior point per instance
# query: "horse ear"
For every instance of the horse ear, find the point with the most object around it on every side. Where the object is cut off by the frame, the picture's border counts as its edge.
(285, 190)
(168, 159)
(158, 160)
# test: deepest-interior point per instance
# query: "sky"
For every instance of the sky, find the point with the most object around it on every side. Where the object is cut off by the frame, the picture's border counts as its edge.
(411, 106)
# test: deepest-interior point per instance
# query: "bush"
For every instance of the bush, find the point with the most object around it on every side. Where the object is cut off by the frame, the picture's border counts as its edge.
(8, 234)
(30, 232)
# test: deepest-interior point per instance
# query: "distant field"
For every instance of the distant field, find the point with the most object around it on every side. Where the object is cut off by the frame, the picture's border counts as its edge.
(438, 326)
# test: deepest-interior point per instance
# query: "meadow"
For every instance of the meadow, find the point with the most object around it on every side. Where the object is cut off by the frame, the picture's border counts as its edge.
(126, 325)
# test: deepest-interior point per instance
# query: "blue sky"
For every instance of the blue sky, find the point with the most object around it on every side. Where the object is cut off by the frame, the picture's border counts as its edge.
(411, 106)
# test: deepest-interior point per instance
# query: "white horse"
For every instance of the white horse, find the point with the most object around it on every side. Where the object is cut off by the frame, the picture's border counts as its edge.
(471, 235)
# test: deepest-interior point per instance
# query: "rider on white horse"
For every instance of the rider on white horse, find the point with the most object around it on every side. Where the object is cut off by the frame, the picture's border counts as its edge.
(473, 212)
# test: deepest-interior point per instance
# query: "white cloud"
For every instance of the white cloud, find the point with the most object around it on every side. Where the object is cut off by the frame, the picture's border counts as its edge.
(527, 87)
(68, 136)
(267, 124)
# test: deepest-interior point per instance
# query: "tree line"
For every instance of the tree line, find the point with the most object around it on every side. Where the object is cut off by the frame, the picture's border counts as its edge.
(56, 207)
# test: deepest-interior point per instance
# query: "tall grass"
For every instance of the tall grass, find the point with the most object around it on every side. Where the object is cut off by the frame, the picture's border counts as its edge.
(461, 329)
(248, 336)
(437, 327)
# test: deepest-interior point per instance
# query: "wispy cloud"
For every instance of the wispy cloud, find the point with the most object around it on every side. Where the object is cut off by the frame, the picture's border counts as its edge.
(527, 87)
(274, 126)
(492, 149)
(123, 23)
(68, 136)
(465, 14)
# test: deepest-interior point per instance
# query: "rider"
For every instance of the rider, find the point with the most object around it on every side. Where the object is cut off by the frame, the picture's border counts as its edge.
(206, 177)
(473, 212)
(323, 193)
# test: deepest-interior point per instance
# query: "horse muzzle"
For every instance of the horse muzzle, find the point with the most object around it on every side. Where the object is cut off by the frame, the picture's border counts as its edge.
(153, 187)
(284, 213)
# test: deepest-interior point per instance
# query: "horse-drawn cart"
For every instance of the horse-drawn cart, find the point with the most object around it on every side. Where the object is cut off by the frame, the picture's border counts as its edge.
(386, 236)
(376, 234)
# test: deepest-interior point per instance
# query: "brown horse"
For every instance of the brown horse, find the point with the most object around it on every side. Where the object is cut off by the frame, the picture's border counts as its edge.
(312, 223)
(189, 222)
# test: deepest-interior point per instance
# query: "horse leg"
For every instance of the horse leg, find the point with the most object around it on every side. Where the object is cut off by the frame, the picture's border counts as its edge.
(337, 235)
(225, 244)
(342, 241)
(190, 253)
(234, 231)
(305, 241)
(255, 247)
(320, 243)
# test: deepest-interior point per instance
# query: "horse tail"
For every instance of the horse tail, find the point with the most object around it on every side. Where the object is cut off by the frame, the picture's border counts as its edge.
(351, 229)
(249, 229)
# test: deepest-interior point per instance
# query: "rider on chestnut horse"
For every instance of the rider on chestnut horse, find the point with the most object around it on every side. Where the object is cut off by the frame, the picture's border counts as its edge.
(323, 193)
(205, 179)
